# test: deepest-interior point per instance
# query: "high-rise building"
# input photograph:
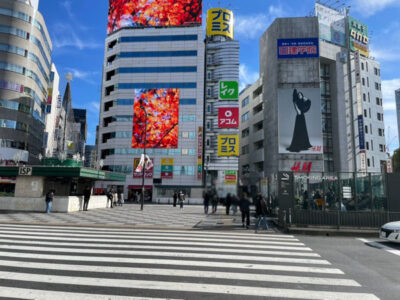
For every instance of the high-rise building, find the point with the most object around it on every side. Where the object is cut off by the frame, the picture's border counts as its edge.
(90, 156)
(52, 113)
(25, 64)
(80, 130)
(153, 97)
(397, 94)
(221, 102)
(312, 123)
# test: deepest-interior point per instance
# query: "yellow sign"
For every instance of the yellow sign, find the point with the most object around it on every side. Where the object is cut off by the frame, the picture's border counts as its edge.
(167, 161)
(228, 145)
(220, 22)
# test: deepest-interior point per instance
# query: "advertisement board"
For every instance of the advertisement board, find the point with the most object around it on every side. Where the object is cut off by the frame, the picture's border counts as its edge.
(359, 40)
(200, 153)
(148, 173)
(220, 22)
(361, 135)
(152, 13)
(228, 90)
(298, 48)
(228, 145)
(167, 168)
(332, 25)
(162, 109)
(230, 177)
(228, 117)
(300, 121)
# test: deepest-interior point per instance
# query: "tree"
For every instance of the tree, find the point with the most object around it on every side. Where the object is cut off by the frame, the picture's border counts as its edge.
(396, 161)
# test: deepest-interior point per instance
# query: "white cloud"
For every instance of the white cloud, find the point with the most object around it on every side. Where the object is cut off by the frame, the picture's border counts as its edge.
(370, 7)
(94, 107)
(388, 89)
(252, 26)
(246, 76)
(86, 76)
(385, 54)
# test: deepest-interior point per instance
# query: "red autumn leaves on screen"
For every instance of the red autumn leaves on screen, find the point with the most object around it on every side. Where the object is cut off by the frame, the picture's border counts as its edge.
(162, 107)
(139, 13)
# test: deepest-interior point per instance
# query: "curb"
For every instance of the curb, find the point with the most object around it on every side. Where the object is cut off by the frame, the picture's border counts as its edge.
(333, 232)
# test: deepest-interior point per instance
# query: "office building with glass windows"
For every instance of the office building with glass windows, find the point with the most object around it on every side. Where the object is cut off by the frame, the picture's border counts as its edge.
(25, 64)
(163, 66)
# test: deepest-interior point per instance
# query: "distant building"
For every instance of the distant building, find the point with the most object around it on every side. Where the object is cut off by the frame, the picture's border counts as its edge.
(80, 131)
(53, 108)
(25, 54)
(90, 156)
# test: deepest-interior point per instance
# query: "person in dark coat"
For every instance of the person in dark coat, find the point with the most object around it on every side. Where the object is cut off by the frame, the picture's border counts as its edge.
(245, 209)
(175, 197)
(86, 197)
(261, 211)
(49, 200)
(181, 198)
(110, 197)
(214, 201)
(120, 196)
(206, 201)
(228, 203)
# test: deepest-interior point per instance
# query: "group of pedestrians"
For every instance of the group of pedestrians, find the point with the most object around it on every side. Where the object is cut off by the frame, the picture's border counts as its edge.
(232, 202)
(115, 197)
(179, 197)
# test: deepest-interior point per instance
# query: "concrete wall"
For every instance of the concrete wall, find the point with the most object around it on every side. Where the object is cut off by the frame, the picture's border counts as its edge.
(29, 186)
(60, 204)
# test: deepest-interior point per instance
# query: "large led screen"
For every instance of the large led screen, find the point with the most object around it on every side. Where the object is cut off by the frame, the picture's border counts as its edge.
(162, 109)
(300, 121)
(150, 13)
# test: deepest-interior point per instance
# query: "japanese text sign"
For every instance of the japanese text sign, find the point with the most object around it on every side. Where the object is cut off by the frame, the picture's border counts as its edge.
(228, 145)
(298, 48)
(230, 177)
(228, 90)
(167, 168)
(220, 22)
(228, 117)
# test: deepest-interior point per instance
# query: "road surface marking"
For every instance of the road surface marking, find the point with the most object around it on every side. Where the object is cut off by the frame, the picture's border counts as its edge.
(381, 246)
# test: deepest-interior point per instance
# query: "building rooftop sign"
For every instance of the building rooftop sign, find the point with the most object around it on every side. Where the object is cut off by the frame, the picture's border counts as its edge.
(298, 48)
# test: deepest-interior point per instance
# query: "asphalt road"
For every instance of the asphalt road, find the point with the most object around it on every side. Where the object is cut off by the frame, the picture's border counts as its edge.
(368, 261)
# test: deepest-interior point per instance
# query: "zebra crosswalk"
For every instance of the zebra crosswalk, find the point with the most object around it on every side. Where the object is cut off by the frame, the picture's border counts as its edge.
(48, 262)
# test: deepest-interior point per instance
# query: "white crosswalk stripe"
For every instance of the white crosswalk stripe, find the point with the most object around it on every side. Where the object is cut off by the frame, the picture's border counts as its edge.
(44, 262)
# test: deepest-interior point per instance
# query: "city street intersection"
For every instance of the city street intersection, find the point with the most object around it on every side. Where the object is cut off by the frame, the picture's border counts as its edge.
(101, 261)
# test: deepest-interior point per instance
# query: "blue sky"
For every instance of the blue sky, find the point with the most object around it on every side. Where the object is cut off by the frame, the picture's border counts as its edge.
(78, 31)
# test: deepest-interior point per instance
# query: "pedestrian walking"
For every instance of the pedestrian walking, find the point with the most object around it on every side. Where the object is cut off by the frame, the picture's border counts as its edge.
(181, 198)
(206, 201)
(49, 200)
(214, 202)
(110, 198)
(228, 203)
(261, 212)
(175, 197)
(86, 197)
(245, 209)
(235, 203)
(115, 196)
(120, 197)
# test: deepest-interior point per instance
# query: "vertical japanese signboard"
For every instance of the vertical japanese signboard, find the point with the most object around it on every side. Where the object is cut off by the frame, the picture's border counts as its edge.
(200, 153)
(228, 145)
(228, 90)
(167, 168)
(359, 40)
(220, 22)
(228, 117)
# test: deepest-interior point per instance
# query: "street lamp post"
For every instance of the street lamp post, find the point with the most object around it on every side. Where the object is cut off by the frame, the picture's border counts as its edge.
(144, 152)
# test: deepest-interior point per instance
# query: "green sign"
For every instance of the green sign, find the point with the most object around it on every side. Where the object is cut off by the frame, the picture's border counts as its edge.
(167, 168)
(359, 40)
(228, 90)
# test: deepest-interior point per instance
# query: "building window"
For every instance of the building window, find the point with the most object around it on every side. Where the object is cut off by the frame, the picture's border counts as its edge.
(366, 129)
(369, 98)
(367, 145)
(209, 92)
(366, 66)
(362, 66)
(365, 113)
(208, 142)
(209, 59)
(208, 125)
(245, 117)
(372, 145)
(369, 111)
(376, 71)
(363, 81)
(258, 108)
(208, 75)
(245, 101)
(258, 126)
(259, 145)
(381, 132)
(378, 102)
(245, 132)
(367, 81)
(208, 108)
(381, 148)
(368, 162)
(245, 149)
(364, 98)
